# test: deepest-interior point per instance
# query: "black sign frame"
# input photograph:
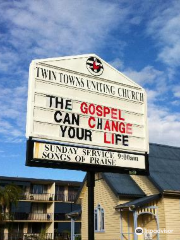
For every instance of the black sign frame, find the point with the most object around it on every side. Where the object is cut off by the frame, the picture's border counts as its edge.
(35, 162)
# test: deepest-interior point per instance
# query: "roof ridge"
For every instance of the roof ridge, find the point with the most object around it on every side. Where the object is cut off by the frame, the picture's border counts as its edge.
(164, 145)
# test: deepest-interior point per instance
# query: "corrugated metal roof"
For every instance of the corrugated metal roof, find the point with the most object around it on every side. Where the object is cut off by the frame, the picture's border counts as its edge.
(164, 166)
(139, 202)
(123, 184)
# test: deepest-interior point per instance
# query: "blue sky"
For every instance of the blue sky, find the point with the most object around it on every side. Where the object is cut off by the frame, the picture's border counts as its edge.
(139, 38)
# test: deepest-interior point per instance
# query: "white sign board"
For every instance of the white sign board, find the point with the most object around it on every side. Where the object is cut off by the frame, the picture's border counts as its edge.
(83, 100)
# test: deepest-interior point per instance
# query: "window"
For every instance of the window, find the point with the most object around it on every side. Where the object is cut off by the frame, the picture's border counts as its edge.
(39, 208)
(72, 192)
(59, 189)
(38, 189)
(99, 219)
(60, 196)
(17, 227)
(36, 227)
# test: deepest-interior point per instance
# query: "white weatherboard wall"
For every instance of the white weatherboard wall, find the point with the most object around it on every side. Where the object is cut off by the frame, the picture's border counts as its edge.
(66, 88)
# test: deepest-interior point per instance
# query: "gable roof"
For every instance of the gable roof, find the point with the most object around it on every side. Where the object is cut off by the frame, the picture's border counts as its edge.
(138, 202)
(164, 167)
(122, 184)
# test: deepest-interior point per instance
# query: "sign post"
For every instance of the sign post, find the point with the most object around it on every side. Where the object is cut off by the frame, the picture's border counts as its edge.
(85, 115)
(90, 185)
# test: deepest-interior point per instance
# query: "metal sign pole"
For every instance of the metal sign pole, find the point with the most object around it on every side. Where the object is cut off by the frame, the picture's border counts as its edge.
(90, 185)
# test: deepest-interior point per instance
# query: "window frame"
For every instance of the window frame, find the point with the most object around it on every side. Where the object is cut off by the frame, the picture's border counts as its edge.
(99, 219)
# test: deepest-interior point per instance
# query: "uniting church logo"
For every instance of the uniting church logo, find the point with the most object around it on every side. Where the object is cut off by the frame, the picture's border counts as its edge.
(94, 66)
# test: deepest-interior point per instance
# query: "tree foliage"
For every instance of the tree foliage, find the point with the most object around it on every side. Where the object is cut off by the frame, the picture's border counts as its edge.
(10, 194)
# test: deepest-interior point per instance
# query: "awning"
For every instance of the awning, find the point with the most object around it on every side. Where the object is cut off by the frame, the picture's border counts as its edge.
(75, 213)
(138, 202)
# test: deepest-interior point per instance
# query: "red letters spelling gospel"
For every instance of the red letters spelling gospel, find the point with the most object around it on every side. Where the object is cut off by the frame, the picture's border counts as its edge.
(116, 122)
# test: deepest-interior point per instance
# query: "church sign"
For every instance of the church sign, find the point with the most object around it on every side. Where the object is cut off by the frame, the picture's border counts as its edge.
(84, 113)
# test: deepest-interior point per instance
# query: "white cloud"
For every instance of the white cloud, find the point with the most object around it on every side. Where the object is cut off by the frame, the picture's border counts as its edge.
(7, 59)
(165, 30)
(163, 126)
(175, 103)
(53, 27)
(13, 113)
(9, 132)
(147, 76)
(163, 123)
(176, 91)
(136, 20)
(152, 95)
(117, 63)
